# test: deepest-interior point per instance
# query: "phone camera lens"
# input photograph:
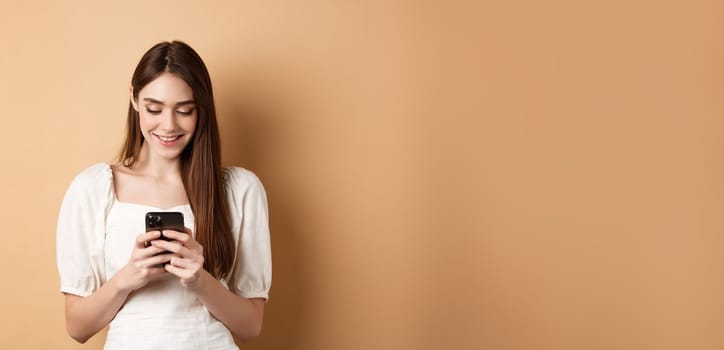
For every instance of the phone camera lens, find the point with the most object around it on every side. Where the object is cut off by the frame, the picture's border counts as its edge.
(153, 220)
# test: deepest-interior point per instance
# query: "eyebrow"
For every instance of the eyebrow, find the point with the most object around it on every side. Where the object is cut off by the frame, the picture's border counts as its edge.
(182, 103)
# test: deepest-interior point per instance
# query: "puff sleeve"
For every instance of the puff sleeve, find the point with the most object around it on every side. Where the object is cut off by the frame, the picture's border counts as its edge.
(81, 231)
(252, 269)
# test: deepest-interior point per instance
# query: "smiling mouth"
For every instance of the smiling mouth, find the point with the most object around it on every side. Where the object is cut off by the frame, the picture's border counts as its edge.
(168, 139)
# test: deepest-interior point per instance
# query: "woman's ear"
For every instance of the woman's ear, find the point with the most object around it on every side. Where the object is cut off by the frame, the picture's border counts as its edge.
(134, 103)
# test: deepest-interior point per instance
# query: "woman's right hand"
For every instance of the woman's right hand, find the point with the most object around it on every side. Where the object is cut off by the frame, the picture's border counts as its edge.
(146, 263)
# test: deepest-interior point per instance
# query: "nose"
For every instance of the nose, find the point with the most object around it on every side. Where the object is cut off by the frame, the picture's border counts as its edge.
(168, 121)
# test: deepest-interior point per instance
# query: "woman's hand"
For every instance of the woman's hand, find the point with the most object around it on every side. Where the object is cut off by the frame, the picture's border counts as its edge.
(144, 265)
(187, 263)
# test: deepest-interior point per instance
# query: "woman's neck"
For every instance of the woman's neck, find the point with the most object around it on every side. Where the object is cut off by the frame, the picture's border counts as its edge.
(157, 167)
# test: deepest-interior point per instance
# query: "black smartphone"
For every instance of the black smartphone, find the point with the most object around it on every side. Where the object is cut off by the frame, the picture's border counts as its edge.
(171, 220)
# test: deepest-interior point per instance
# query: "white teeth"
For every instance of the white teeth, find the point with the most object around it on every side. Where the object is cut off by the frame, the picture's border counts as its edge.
(168, 138)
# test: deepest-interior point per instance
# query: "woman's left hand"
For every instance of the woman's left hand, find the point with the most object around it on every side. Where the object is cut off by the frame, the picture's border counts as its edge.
(188, 262)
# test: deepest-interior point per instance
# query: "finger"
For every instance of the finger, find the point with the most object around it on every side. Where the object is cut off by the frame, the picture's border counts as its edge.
(143, 253)
(154, 261)
(173, 247)
(178, 272)
(145, 237)
(182, 262)
(155, 271)
(179, 236)
(186, 240)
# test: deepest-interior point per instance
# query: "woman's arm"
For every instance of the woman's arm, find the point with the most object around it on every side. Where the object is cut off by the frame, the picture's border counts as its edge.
(243, 317)
(86, 316)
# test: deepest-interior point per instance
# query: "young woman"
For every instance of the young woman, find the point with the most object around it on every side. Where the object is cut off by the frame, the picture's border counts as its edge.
(166, 289)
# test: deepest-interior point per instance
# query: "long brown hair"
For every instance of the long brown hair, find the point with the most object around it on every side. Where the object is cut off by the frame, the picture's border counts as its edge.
(201, 171)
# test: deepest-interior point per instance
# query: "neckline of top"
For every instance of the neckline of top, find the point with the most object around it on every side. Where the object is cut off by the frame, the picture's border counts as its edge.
(180, 206)
(116, 200)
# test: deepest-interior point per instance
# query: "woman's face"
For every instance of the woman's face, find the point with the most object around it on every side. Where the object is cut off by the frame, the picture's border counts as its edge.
(167, 115)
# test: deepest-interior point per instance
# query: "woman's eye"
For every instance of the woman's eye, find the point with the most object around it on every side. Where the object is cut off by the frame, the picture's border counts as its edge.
(189, 112)
(153, 111)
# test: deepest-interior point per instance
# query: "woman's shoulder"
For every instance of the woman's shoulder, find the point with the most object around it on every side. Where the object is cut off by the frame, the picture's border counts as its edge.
(95, 172)
(241, 179)
(96, 176)
(245, 191)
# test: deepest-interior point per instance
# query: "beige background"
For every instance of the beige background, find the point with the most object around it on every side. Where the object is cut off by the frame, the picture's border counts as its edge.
(441, 175)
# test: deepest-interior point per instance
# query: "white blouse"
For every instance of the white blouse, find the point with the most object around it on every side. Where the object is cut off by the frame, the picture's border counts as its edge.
(95, 238)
